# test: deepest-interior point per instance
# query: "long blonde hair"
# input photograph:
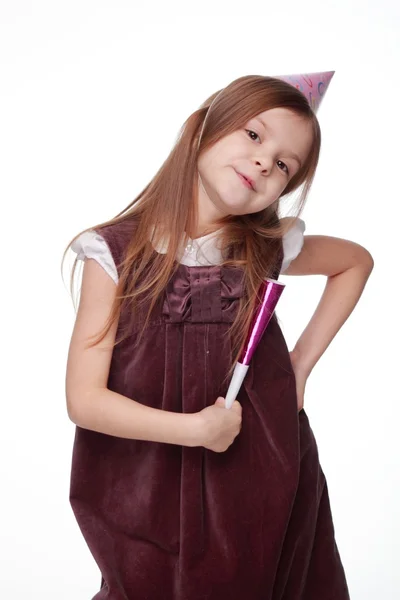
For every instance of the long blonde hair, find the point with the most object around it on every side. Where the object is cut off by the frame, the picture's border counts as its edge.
(167, 207)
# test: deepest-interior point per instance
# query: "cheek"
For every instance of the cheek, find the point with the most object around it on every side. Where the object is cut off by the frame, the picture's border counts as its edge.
(207, 160)
(201, 161)
(210, 166)
(273, 191)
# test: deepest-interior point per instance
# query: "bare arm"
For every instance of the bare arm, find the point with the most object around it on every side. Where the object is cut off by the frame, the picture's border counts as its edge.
(91, 405)
(347, 266)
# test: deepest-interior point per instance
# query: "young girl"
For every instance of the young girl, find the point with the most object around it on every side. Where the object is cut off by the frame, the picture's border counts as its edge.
(179, 498)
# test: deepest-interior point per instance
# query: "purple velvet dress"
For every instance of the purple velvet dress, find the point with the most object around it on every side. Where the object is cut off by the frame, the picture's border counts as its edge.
(166, 522)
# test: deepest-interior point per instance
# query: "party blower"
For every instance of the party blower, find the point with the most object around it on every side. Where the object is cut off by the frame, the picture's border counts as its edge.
(270, 292)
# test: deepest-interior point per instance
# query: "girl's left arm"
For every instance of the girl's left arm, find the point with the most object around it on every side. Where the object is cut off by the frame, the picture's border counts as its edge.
(347, 266)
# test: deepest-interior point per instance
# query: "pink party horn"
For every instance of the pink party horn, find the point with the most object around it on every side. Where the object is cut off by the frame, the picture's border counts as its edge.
(270, 292)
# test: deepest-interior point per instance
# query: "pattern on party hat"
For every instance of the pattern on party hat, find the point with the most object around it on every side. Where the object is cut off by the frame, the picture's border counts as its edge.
(312, 85)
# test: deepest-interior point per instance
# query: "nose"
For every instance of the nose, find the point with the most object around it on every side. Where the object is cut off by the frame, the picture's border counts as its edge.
(265, 162)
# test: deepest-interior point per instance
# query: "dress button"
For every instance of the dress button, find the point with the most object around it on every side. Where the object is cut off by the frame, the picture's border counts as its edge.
(189, 248)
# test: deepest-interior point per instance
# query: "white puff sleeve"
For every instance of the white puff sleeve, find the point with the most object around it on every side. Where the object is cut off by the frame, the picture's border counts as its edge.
(92, 245)
(292, 241)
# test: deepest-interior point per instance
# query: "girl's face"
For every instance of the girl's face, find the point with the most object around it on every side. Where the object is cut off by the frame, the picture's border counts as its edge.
(269, 150)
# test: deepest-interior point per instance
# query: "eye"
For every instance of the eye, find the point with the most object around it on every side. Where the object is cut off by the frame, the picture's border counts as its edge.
(285, 166)
(250, 131)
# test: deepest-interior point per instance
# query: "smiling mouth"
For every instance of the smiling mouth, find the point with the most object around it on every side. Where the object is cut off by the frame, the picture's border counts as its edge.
(245, 181)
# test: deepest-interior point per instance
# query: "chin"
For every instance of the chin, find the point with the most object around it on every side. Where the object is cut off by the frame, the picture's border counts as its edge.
(239, 210)
(237, 206)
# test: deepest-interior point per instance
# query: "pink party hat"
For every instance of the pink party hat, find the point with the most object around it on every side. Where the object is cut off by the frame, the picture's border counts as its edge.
(312, 85)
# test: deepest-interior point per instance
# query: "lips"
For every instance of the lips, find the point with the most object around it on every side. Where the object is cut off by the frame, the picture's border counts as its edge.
(247, 180)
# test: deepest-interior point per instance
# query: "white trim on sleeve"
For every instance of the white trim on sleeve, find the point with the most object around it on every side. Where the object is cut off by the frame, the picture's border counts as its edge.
(292, 241)
(92, 245)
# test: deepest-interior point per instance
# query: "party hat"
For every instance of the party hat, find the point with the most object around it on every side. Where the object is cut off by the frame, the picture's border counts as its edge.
(312, 85)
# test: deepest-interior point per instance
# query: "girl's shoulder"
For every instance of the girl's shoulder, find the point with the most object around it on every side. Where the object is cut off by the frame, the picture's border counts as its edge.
(292, 241)
(106, 244)
(117, 235)
(91, 244)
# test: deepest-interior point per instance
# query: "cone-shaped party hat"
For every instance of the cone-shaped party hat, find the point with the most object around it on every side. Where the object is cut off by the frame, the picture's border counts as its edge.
(312, 85)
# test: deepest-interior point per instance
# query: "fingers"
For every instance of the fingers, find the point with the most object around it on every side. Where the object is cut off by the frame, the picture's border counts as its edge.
(220, 402)
(237, 407)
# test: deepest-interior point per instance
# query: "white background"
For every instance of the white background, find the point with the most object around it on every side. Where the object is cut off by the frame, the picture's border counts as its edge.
(92, 97)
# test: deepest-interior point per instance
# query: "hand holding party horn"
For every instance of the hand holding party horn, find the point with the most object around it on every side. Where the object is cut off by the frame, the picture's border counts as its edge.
(270, 292)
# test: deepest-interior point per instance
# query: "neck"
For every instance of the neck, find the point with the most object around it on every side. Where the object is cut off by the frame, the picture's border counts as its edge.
(208, 216)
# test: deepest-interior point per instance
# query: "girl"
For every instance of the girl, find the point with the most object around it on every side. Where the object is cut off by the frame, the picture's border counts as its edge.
(177, 497)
